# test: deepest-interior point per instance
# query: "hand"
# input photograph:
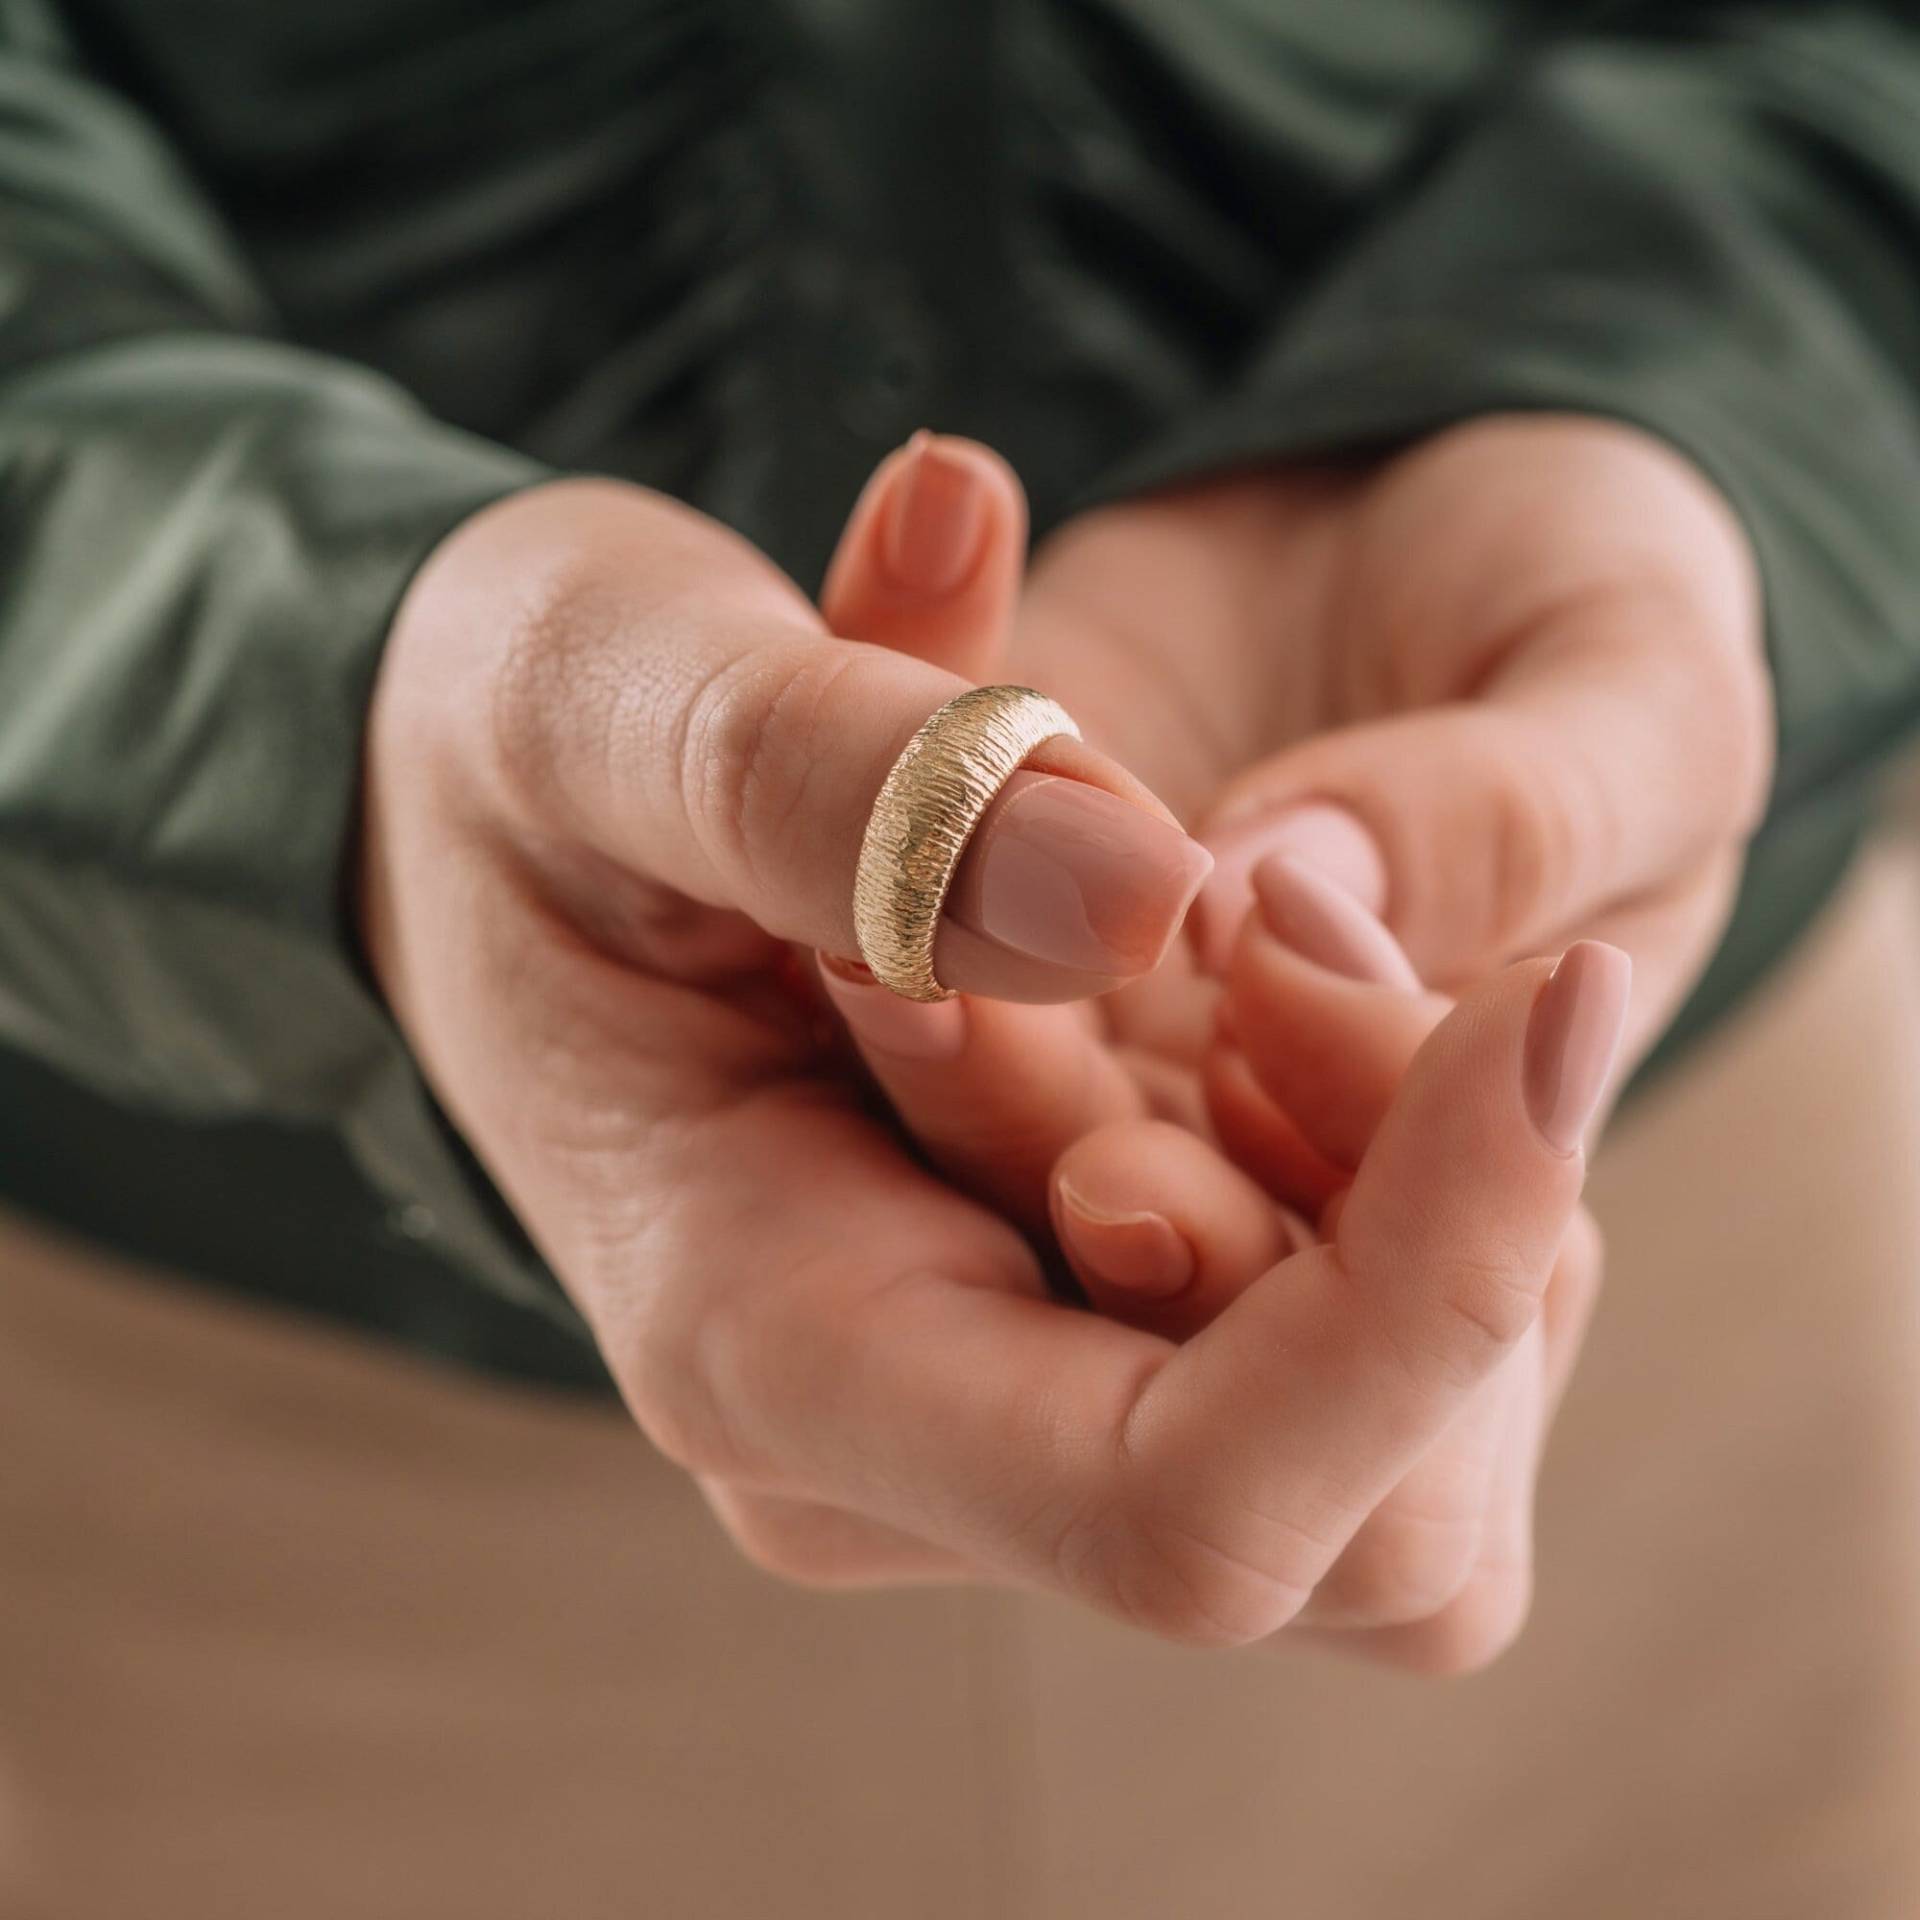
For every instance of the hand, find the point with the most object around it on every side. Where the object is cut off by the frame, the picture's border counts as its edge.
(1508, 687)
(598, 805)
(1165, 1231)
(1557, 603)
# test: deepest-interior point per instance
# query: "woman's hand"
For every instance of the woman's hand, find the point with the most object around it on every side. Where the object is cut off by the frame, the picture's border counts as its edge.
(1322, 1017)
(615, 766)
(1535, 647)
(1507, 687)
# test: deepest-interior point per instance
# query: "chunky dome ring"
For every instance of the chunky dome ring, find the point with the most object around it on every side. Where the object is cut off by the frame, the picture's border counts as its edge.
(933, 798)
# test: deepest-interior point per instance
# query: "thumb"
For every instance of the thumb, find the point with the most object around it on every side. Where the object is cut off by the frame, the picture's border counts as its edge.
(1615, 752)
(932, 558)
(665, 700)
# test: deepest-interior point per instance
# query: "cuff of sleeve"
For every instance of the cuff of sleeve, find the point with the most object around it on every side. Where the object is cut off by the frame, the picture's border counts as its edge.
(1623, 239)
(208, 538)
(1827, 552)
(1590, 254)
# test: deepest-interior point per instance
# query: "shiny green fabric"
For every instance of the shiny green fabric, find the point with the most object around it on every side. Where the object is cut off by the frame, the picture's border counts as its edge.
(288, 289)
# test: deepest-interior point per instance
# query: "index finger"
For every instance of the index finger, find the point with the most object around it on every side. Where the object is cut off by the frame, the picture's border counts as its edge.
(1201, 1492)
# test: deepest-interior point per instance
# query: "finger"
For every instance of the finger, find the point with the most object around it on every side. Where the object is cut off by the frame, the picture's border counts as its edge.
(1483, 1615)
(1163, 1234)
(993, 1094)
(1571, 1298)
(688, 721)
(1262, 1137)
(1608, 750)
(1671, 934)
(1440, 1258)
(1325, 1025)
(1420, 1546)
(1167, 1015)
(821, 1318)
(931, 560)
(818, 1546)
(1161, 1229)
(1329, 839)
(1325, 1007)
(1201, 1490)
(1330, 1013)
(1451, 1546)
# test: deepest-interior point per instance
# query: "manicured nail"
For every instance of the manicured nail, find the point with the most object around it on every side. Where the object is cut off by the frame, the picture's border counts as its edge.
(1573, 1034)
(1072, 875)
(935, 520)
(886, 1024)
(1140, 1253)
(1325, 836)
(1322, 922)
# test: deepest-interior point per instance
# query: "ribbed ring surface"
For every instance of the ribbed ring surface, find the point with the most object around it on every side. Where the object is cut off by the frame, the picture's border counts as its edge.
(933, 797)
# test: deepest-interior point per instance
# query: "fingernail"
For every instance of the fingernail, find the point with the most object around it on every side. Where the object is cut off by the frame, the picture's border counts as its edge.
(887, 1024)
(1573, 1034)
(1327, 837)
(1072, 875)
(1140, 1253)
(935, 520)
(1322, 922)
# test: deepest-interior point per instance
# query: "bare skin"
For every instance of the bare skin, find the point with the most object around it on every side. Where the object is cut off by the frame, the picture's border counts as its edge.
(582, 879)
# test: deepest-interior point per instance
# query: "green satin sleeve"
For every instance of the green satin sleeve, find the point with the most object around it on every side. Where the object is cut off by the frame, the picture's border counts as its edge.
(204, 532)
(1705, 221)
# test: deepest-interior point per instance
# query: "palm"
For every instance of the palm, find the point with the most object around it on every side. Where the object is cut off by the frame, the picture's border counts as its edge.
(657, 1102)
(1202, 634)
(1185, 634)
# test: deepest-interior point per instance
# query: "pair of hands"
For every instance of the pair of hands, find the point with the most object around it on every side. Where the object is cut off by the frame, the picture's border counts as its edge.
(1505, 690)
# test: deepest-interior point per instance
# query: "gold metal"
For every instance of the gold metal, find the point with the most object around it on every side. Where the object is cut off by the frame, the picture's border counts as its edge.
(933, 797)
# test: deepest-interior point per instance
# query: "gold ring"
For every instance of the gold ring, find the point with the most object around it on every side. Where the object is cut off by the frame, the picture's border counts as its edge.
(934, 795)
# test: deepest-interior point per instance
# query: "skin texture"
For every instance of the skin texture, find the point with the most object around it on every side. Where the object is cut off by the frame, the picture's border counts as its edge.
(579, 890)
(1523, 657)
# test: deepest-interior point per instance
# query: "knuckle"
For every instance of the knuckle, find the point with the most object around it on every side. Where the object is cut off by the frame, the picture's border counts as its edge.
(1537, 832)
(542, 737)
(1478, 1312)
(636, 1250)
(1580, 1271)
(1402, 1569)
(1475, 1629)
(1486, 1308)
(1712, 602)
(1711, 745)
(766, 1545)
(673, 1383)
(1172, 1582)
(1583, 1246)
(791, 1546)
(1738, 705)
(676, 1420)
(528, 667)
(751, 748)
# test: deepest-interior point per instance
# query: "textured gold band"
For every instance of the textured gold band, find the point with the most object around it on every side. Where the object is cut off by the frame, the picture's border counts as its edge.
(933, 797)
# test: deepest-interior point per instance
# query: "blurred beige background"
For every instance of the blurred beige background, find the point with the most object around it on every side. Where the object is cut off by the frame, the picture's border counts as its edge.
(292, 1626)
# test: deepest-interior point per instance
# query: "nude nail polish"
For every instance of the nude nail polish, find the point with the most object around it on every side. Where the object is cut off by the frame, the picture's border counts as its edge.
(884, 1023)
(1142, 1253)
(1072, 875)
(1323, 923)
(935, 520)
(1573, 1035)
(1327, 837)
